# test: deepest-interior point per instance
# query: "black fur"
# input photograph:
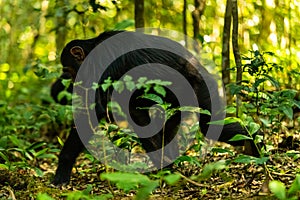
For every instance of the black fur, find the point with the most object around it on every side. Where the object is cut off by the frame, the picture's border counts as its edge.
(188, 66)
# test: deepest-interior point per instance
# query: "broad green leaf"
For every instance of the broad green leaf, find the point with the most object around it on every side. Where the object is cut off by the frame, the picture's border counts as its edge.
(130, 85)
(160, 90)
(253, 127)
(28, 155)
(153, 97)
(88, 190)
(158, 82)
(118, 86)
(258, 82)
(141, 82)
(15, 140)
(107, 83)
(172, 179)
(66, 82)
(295, 187)
(145, 191)
(47, 155)
(230, 110)
(194, 110)
(112, 127)
(278, 189)
(288, 93)
(239, 137)
(60, 141)
(235, 89)
(36, 145)
(127, 78)
(249, 159)
(189, 159)
(4, 157)
(228, 120)
(115, 107)
(77, 83)
(92, 106)
(38, 172)
(4, 166)
(126, 181)
(221, 150)
(266, 122)
(95, 86)
(287, 110)
(41, 152)
(65, 94)
(210, 168)
(44, 196)
(297, 103)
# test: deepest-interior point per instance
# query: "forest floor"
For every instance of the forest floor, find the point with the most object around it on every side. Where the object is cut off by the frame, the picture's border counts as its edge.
(236, 181)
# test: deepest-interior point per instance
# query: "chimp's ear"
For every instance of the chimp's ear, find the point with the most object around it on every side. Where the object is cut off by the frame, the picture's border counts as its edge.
(78, 53)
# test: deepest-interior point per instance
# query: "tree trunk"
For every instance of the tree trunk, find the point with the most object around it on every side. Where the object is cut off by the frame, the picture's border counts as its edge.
(236, 51)
(226, 45)
(184, 23)
(196, 14)
(139, 14)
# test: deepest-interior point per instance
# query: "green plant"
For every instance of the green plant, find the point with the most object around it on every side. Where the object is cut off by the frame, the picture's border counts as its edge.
(153, 90)
(279, 189)
(22, 154)
(77, 195)
(264, 104)
(132, 181)
(25, 123)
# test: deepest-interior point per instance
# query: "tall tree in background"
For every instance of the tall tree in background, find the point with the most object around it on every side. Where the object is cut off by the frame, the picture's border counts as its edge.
(231, 15)
(139, 13)
(236, 50)
(225, 44)
(184, 23)
(196, 14)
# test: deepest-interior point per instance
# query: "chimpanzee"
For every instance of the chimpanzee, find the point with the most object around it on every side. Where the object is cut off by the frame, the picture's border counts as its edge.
(152, 59)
